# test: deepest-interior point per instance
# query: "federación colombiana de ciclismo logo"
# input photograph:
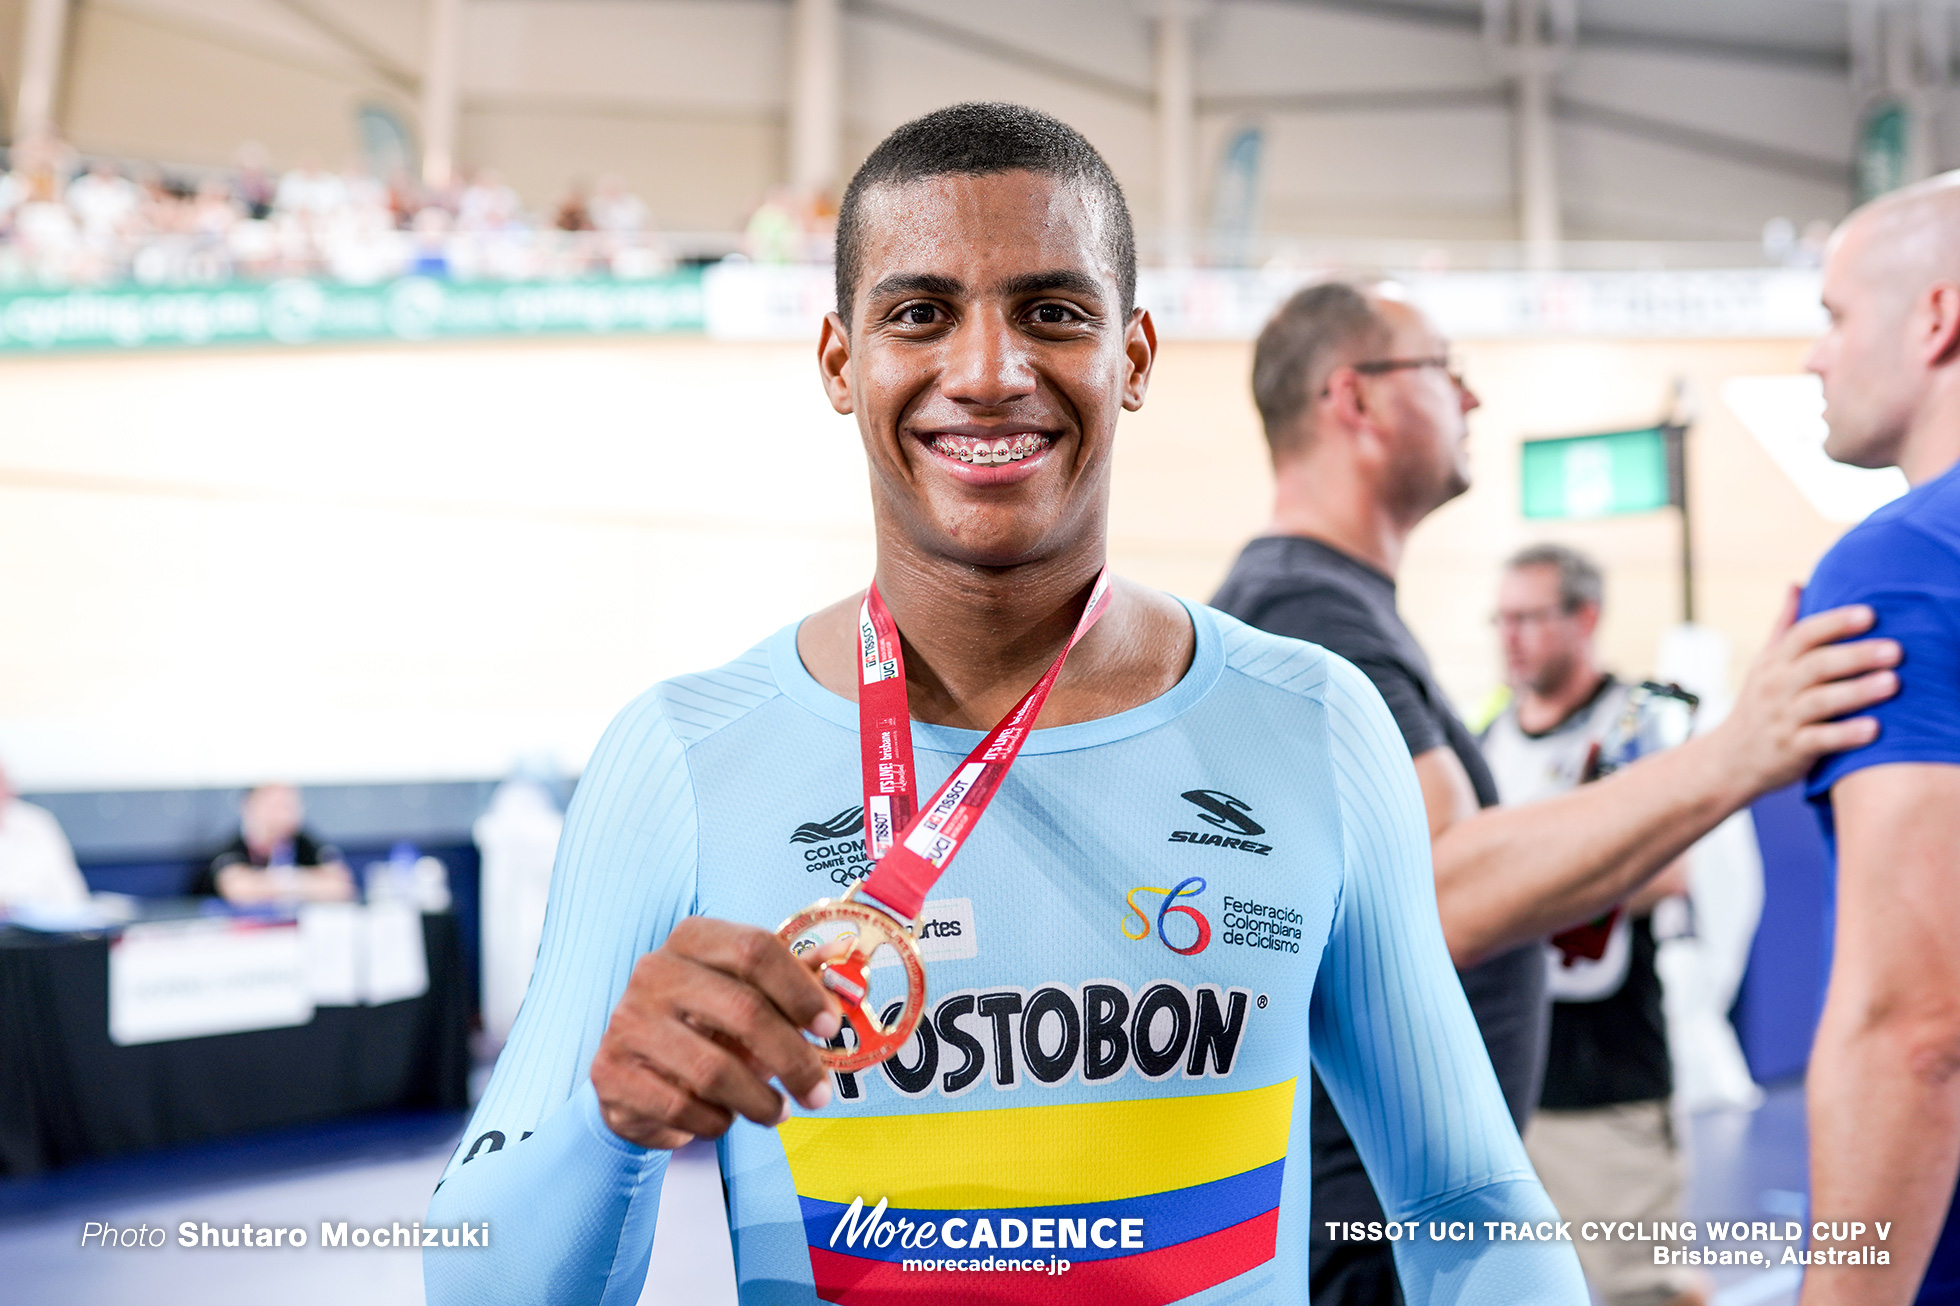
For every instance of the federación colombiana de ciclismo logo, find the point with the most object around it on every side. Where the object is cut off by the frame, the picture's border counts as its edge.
(1167, 905)
(1246, 922)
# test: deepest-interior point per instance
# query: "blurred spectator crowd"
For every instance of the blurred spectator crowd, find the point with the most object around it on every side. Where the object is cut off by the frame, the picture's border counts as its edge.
(69, 222)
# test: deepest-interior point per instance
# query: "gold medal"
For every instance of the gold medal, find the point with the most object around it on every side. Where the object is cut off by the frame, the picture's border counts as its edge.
(831, 920)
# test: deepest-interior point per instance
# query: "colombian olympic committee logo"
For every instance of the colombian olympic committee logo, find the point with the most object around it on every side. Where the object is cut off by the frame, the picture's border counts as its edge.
(1169, 906)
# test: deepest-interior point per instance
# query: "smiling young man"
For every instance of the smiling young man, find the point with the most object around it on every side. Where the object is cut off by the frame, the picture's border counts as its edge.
(1206, 870)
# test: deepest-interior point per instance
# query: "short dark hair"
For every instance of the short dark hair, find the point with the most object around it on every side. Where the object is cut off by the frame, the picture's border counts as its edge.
(976, 140)
(1304, 341)
(1580, 581)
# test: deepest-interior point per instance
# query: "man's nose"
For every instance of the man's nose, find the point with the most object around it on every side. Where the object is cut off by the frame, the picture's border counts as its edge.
(990, 365)
(1814, 360)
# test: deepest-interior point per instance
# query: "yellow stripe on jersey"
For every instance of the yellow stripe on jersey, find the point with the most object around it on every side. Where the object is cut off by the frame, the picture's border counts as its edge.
(1039, 1155)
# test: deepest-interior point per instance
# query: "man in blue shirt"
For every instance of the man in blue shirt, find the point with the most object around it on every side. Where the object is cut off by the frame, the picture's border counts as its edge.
(1884, 1082)
(1207, 873)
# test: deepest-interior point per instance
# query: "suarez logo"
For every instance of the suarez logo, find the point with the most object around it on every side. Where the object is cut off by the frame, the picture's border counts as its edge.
(1169, 906)
(1224, 811)
(1230, 817)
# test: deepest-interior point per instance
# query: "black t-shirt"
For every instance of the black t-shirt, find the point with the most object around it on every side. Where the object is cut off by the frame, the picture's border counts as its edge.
(1605, 1049)
(307, 851)
(1307, 590)
(1615, 1049)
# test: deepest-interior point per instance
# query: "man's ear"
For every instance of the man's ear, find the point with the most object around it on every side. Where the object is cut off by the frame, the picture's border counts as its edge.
(1140, 348)
(1344, 407)
(834, 362)
(1940, 332)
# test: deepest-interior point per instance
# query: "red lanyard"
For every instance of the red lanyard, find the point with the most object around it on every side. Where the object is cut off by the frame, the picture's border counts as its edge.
(911, 848)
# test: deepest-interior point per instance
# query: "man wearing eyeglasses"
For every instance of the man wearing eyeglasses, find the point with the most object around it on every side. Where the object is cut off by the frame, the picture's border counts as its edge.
(1365, 415)
(1603, 1140)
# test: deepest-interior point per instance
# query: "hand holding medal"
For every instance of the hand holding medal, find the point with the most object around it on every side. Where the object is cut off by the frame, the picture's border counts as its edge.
(910, 847)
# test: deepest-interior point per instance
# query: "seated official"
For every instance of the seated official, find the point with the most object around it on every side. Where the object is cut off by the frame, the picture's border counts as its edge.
(37, 867)
(274, 858)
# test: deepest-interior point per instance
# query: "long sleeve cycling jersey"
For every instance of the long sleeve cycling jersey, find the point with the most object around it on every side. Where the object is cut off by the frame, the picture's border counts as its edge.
(1165, 917)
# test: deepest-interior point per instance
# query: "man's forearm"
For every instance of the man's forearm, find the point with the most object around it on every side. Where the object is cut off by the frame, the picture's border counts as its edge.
(332, 882)
(1884, 1086)
(570, 1248)
(1512, 874)
(328, 882)
(1670, 882)
(1506, 877)
(1885, 1148)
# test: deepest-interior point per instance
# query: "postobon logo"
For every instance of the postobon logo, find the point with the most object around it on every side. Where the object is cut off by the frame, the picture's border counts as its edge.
(1093, 1033)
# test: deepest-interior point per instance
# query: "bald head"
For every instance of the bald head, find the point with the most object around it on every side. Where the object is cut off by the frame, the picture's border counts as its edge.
(1890, 362)
(1910, 238)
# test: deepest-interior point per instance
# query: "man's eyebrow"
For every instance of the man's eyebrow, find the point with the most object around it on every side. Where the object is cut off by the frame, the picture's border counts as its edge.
(917, 283)
(1068, 279)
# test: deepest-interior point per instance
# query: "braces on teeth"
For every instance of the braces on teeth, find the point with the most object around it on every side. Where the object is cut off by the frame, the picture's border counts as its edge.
(989, 452)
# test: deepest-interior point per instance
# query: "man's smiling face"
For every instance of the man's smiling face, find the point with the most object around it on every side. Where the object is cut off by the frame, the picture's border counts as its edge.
(988, 356)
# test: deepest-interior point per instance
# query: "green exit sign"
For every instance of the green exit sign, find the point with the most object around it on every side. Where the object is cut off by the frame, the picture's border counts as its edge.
(1598, 475)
